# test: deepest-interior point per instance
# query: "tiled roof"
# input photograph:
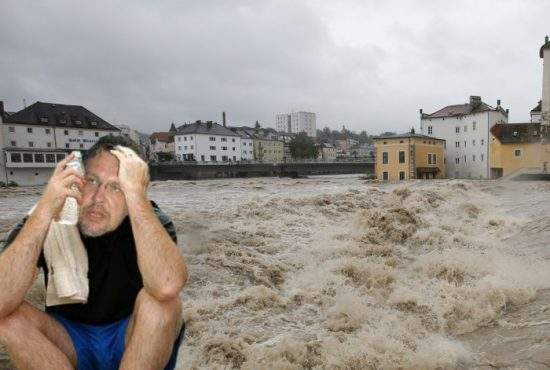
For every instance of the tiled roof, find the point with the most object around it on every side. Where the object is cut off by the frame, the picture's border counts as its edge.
(164, 137)
(508, 133)
(459, 110)
(62, 115)
(208, 128)
(406, 136)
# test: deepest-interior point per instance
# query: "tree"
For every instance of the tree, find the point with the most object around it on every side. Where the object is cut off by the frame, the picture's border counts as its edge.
(302, 146)
(257, 125)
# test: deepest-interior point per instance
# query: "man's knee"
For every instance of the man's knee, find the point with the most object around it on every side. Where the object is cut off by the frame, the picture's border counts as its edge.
(15, 324)
(158, 313)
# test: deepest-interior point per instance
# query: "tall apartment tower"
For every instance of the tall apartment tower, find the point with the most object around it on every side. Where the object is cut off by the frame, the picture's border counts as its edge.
(545, 107)
(297, 122)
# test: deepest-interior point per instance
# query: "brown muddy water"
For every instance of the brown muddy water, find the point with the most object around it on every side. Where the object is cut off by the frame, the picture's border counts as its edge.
(335, 272)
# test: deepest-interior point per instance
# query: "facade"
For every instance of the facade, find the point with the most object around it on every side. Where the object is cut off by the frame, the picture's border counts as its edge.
(247, 145)
(327, 152)
(409, 156)
(34, 139)
(207, 142)
(544, 53)
(268, 150)
(297, 122)
(466, 131)
(162, 146)
(519, 146)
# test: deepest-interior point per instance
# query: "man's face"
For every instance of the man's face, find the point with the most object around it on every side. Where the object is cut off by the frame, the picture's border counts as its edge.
(103, 203)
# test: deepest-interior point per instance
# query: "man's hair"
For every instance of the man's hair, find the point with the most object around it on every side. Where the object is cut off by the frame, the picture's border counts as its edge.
(109, 142)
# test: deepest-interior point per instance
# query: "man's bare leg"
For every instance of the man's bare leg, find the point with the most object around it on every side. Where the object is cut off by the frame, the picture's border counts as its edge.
(35, 340)
(151, 333)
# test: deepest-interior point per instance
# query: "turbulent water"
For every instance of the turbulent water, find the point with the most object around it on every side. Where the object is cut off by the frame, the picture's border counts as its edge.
(337, 272)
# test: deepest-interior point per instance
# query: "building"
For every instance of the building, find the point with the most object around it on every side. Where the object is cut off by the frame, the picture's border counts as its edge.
(519, 147)
(466, 131)
(268, 150)
(297, 122)
(129, 132)
(409, 156)
(207, 142)
(162, 146)
(35, 138)
(327, 152)
(544, 54)
(247, 143)
(536, 113)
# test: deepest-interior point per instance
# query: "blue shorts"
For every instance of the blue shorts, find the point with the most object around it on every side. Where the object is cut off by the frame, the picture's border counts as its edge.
(100, 347)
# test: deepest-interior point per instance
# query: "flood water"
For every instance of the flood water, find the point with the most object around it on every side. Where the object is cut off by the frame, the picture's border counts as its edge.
(340, 273)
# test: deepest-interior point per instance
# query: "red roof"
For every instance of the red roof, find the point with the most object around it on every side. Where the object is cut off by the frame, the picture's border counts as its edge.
(165, 137)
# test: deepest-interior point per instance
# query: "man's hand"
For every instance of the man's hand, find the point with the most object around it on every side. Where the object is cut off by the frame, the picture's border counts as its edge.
(60, 186)
(133, 172)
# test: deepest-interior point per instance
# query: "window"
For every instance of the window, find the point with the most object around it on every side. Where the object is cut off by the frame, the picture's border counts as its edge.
(184, 148)
(66, 132)
(39, 158)
(473, 157)
(179, 147)
(517, 153)
(482, 157)
(429, 159)
(464, 143)
(224, 158)
(16, 157)
(233, 140)
(67, 145)
(401, 142)
(385, 158)
(465, 128)
(81, 146)
(434, 160)
(233, 148)
(457, 130)
(60, 157)
(212, 148)
(224, 139)
(27, 157)
(12, 129)
(457, 160)
(457, 144)
(224, 148)
(179, 138)
(213, 158)
(212, 138)
(96, 134)
(482, 142)
(191, 147)
(385, 175)
(430, 130)
(31, 144)
(50, 158)
(49, 145)
(13, 143)
(29, 130)
(473, 142)
(234, 158)
(190, 137)
(474, 125)
(401, 175)
(401, 157)
(464, 159)
(184, 138)
(44, 119)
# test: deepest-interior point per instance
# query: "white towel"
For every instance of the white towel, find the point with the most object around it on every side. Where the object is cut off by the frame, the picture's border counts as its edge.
(67, 262)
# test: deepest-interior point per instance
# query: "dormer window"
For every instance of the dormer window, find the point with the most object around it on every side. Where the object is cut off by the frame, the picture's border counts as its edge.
(93, 123)
(43, 119)
(515, 133)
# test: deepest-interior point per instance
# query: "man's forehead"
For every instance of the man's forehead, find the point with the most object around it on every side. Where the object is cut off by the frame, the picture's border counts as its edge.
(103, 165)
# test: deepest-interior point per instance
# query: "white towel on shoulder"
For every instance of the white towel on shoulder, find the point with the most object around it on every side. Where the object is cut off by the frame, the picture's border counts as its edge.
(67, 262)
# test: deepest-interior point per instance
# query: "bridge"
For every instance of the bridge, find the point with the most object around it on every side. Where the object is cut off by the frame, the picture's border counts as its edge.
(184, 171)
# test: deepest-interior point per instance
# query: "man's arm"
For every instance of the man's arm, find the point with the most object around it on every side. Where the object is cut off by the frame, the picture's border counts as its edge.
(162, 267)
(18, 262)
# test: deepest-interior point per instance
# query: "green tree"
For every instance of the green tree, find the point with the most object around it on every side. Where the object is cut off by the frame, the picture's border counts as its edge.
(302, 146)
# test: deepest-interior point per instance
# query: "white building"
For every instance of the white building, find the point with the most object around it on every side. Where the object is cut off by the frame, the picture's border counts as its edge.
(207, 142)
(247, 143)
(466, 130)
(129, 132)
(297, 122)
(34, 139)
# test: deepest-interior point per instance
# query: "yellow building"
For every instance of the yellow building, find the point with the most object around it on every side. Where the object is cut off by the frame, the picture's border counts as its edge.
(517, 147)
(267, 150)
(409, 156)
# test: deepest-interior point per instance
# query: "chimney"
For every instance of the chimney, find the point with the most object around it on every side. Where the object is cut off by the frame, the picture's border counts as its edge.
(209, 124)
(1, 109)
(475, 101)
(498, 102)
(507, 111)
(223, 118)
(420, 111)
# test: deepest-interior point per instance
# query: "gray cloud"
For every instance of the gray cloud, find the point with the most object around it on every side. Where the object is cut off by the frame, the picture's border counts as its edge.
(368, 65)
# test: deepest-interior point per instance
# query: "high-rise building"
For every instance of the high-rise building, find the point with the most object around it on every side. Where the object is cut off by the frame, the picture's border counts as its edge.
(297, 122)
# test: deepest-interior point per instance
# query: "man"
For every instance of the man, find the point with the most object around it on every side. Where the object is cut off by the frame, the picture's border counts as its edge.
(132, 319)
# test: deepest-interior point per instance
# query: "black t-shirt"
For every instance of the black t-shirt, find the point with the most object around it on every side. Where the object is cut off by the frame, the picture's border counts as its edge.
(113, 273)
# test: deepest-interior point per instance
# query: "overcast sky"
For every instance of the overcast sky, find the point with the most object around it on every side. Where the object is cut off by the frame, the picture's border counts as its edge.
(368, 65)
